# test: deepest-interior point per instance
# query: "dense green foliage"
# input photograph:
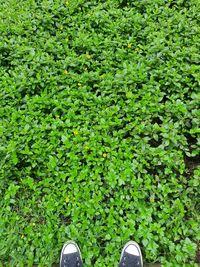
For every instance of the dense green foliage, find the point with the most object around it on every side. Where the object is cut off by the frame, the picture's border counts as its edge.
(100, 130)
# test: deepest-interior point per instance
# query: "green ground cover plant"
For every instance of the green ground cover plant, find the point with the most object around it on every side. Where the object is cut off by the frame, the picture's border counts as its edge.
(100, 130)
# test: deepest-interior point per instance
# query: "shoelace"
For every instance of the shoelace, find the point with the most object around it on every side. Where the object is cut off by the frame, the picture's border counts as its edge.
(130, 261)
(69, 261)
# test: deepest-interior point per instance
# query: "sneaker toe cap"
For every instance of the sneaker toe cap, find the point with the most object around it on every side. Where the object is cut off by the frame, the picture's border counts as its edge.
(70, 248)
(133, 250)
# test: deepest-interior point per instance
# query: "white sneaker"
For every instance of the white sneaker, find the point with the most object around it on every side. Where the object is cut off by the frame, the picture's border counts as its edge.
(131, 255)
(70, 255)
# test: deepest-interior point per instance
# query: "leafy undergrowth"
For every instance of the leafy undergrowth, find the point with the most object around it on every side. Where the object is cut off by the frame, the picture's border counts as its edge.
(100, 130)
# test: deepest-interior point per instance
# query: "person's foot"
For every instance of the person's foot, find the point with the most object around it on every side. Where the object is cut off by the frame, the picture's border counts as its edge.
(70, 255)
(131, 255)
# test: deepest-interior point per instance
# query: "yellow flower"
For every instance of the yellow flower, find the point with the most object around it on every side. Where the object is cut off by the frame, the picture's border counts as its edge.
(79, 84)
(75, 132)
(66, 72)
(66, 3)
(104, 155)
(67, 200)
(33, 224)
(152, 199)
(137, 49)
(129, 45)
(88, 56)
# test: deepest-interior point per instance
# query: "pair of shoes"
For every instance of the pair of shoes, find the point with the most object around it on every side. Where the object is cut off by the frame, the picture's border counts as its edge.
(131, 255)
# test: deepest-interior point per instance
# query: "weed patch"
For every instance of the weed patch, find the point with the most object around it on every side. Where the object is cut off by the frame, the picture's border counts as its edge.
(100, 130)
